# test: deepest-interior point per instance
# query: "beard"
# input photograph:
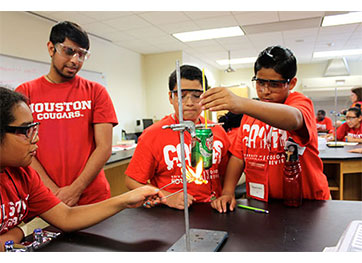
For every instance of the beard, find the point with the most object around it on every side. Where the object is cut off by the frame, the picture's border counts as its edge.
(63, 75)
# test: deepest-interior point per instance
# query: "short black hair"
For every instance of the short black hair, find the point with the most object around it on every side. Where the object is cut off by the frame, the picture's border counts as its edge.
(278, 58)
(186, 72)
(8, 99)
(230, 120)
(323, 112)
(70, 30)
(356, 110)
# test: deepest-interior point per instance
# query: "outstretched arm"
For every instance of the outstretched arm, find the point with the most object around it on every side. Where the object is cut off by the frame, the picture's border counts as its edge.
(79, 217)
(275, 114)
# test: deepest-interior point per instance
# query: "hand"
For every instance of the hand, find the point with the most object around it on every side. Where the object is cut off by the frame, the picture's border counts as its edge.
(177, 200)
(351, 139)
(148, 195)
(68, 195)
(220, 204)
(357, 150)
(330, 137)
(216, 99)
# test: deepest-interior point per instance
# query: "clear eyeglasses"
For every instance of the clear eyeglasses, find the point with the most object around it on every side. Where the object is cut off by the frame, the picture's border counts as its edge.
(273, 85)
(70, 52)
(194, 94)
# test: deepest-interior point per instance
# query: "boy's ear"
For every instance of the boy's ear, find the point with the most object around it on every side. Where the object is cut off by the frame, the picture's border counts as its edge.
(51, 48)
(170, 96)
(292, 83)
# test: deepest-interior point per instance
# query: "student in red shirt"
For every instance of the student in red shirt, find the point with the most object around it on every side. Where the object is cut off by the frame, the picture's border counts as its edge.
(23, 195)
(351, 130)
(157, 159)
(77, 117)
(280, 115)
(324, 124)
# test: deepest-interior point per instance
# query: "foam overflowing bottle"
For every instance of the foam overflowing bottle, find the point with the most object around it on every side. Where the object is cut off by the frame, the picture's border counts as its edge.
(292, 180)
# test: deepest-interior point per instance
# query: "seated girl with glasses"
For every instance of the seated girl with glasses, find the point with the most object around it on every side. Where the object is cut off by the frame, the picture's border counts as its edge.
(351, 130)
(23, 196)
(279, 117)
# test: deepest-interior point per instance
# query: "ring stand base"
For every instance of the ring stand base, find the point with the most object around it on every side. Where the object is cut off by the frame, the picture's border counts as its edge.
(201, 240)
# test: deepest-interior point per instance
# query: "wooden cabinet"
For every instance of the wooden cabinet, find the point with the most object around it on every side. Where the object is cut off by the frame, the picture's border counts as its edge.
(115, 176)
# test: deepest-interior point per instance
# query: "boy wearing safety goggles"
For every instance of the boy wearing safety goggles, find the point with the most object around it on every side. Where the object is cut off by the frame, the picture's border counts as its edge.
(157, 159)
(267, 125)
(76, 116)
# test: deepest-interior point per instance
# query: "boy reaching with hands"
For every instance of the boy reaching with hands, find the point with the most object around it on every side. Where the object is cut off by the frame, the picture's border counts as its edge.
(280, 116)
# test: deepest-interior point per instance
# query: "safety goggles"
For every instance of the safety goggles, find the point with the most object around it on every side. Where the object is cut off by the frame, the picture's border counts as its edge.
(273, 85)
(29, 131)
(194, 94)
(70, 52)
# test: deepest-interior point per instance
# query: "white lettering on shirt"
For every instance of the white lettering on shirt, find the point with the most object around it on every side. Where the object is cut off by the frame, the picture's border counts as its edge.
(60, 110)
(172, 154)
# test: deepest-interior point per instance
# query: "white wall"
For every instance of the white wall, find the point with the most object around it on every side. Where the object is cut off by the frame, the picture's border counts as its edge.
(157, 68)
(24, 35)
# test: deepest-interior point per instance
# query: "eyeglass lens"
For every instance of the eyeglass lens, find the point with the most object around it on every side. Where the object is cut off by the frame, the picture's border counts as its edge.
(67, 51)
(350, 118)
(194, 95)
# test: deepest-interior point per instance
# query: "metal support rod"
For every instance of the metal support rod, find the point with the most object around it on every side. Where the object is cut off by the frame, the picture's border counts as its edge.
(182, 144)
(335, 115)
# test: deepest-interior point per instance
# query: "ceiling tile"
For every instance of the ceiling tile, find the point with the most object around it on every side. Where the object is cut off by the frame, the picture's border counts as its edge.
(179, 27)
(254, 18)
(160, 18)
(197, 15)
(106, 15)
(287, 15)
(146, 32)
(216, 22)
(127, 22)
(282, 26)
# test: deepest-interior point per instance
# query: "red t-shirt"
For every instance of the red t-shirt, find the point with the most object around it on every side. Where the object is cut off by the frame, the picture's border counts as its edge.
(157, 159)
(23, 196)
(344, 130)
(261, 145)
(325, 125)
(67, 113)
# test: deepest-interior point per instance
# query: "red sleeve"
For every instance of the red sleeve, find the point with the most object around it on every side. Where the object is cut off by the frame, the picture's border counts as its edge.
(41, 199)
(103, 107)
(142, 165)
(236, 147)
(225, 154)
(305, 105)
(342, 132)
(23, 89)
(329, 125)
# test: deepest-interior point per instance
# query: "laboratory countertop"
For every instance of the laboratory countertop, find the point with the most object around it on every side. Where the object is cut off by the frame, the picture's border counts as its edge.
(311, 227)
(340, 153)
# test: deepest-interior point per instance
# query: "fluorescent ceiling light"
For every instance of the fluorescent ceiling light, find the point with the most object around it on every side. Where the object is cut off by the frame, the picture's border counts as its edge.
(209, 34)
(337, 53)
(349, 18)
(236, 61)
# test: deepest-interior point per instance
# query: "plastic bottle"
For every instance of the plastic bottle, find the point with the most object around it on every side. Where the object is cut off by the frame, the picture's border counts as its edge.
(292, 180)
(38, 235)
(9, 246)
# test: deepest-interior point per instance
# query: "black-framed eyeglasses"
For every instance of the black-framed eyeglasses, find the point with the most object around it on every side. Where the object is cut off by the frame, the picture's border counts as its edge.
(70, 52)
(30, 131)
(273, 85)
(193, 93)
